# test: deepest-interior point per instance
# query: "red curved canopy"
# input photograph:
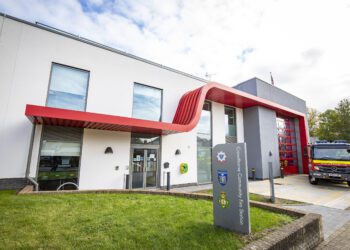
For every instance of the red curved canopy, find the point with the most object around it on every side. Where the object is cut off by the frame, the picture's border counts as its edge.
(186, 117)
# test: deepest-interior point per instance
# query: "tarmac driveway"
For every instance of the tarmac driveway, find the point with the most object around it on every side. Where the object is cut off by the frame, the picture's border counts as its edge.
(298, 188)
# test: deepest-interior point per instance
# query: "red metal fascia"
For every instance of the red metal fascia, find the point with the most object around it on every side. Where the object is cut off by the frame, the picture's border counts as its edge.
(186, 117)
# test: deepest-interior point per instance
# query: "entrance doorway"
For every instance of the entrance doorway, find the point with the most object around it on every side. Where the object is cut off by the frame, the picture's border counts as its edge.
(144, 167)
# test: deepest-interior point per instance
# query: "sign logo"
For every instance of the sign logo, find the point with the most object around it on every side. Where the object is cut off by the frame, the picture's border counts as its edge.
(222, 177)
(221, 156)
(222, 201)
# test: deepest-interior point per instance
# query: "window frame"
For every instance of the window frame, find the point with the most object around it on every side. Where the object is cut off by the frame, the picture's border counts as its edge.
(235, 117)
(72, 67)
(39, 154)
(161, 100)
(210, 103)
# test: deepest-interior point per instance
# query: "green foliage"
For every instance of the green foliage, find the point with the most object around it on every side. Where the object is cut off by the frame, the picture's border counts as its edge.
(334, 124)
(118, 221)
(312, 119)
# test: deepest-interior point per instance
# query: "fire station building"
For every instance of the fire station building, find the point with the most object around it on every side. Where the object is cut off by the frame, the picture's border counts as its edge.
(76, 111)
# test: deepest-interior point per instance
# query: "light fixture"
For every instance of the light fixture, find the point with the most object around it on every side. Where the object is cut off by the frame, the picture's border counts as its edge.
(108, 150)
(177, 152)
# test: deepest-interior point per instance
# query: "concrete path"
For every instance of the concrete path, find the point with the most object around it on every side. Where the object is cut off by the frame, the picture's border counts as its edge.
(298, 188)
(332, 218)
(338, 240)
(192, 189)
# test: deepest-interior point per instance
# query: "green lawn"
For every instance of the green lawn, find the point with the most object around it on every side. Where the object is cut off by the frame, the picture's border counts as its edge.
(118, 221)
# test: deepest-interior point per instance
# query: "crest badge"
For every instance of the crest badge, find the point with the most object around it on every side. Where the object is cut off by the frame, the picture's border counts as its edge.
(222, 177)
(222, 201)
(221, 156)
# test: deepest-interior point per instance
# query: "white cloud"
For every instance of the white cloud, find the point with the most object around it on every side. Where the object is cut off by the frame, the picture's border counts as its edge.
(303, 43)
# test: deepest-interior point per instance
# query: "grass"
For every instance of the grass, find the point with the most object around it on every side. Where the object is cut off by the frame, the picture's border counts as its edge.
(119, 221)
(259, 197)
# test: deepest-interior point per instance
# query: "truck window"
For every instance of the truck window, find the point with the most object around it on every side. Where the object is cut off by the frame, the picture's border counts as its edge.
(331, 154)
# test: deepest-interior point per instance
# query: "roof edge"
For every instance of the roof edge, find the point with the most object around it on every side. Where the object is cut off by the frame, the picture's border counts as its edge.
(101, 46)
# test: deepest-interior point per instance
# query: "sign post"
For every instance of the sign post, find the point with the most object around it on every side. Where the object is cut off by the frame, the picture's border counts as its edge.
(230, 187)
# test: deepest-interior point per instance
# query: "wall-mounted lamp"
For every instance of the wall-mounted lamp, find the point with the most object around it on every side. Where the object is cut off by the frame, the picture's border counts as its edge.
(177, 152)
(108, 150)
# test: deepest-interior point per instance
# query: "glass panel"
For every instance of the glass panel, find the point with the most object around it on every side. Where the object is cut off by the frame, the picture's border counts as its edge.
(59, 159)
(50, 148)
(68, 87)
(204, 144)
(204, 164)
(147, 102)
(145, 139)
(151, 167)
(230, 121)
(137, 168)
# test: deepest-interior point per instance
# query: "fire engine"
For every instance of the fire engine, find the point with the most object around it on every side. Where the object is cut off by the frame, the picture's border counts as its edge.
(329, 161)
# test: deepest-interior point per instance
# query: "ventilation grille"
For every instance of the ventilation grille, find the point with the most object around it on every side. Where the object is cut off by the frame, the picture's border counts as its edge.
(56, 133)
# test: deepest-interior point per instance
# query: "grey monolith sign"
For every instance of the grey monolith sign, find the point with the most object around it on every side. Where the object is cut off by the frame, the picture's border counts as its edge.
(230, 187)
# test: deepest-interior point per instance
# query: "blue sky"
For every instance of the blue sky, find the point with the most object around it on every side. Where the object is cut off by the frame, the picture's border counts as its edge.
(305, 44)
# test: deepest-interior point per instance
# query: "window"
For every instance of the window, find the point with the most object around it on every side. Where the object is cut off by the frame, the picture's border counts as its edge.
(230, 125)
(147, 102)
(204, 144)
(145, 139)
(68, 88)
(59, 156)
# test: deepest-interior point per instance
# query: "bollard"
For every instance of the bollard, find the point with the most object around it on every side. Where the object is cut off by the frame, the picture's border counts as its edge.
(272, 187)
(282, 172)
(253, 174)
(126, 181)
(168, 181)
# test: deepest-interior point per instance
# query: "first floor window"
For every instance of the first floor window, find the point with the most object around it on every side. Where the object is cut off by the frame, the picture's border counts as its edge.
(68, 87)
(59, 157)
(147, 102)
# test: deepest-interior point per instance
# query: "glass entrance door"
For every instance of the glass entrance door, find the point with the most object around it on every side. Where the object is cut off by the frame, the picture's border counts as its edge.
(144, 167)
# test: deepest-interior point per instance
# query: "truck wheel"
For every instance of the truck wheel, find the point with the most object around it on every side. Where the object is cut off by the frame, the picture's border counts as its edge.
(313, 180)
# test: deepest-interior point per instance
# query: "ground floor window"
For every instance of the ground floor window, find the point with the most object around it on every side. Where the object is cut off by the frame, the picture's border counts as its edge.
(59, 157)
(204, 144)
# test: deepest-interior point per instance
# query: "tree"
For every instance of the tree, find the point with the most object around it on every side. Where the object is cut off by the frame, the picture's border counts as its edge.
(312, 119)
(334, 124)
(327, 125)
(343, 119)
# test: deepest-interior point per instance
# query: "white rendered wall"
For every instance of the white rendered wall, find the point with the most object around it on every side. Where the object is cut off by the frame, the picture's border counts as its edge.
(26, 56)
(97, 169)
(218, 123)
(187, 143)
(240, 125)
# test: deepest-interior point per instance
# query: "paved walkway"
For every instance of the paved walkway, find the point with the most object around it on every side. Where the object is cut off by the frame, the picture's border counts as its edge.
(338, 240)
(298, 188)
(332, 218)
